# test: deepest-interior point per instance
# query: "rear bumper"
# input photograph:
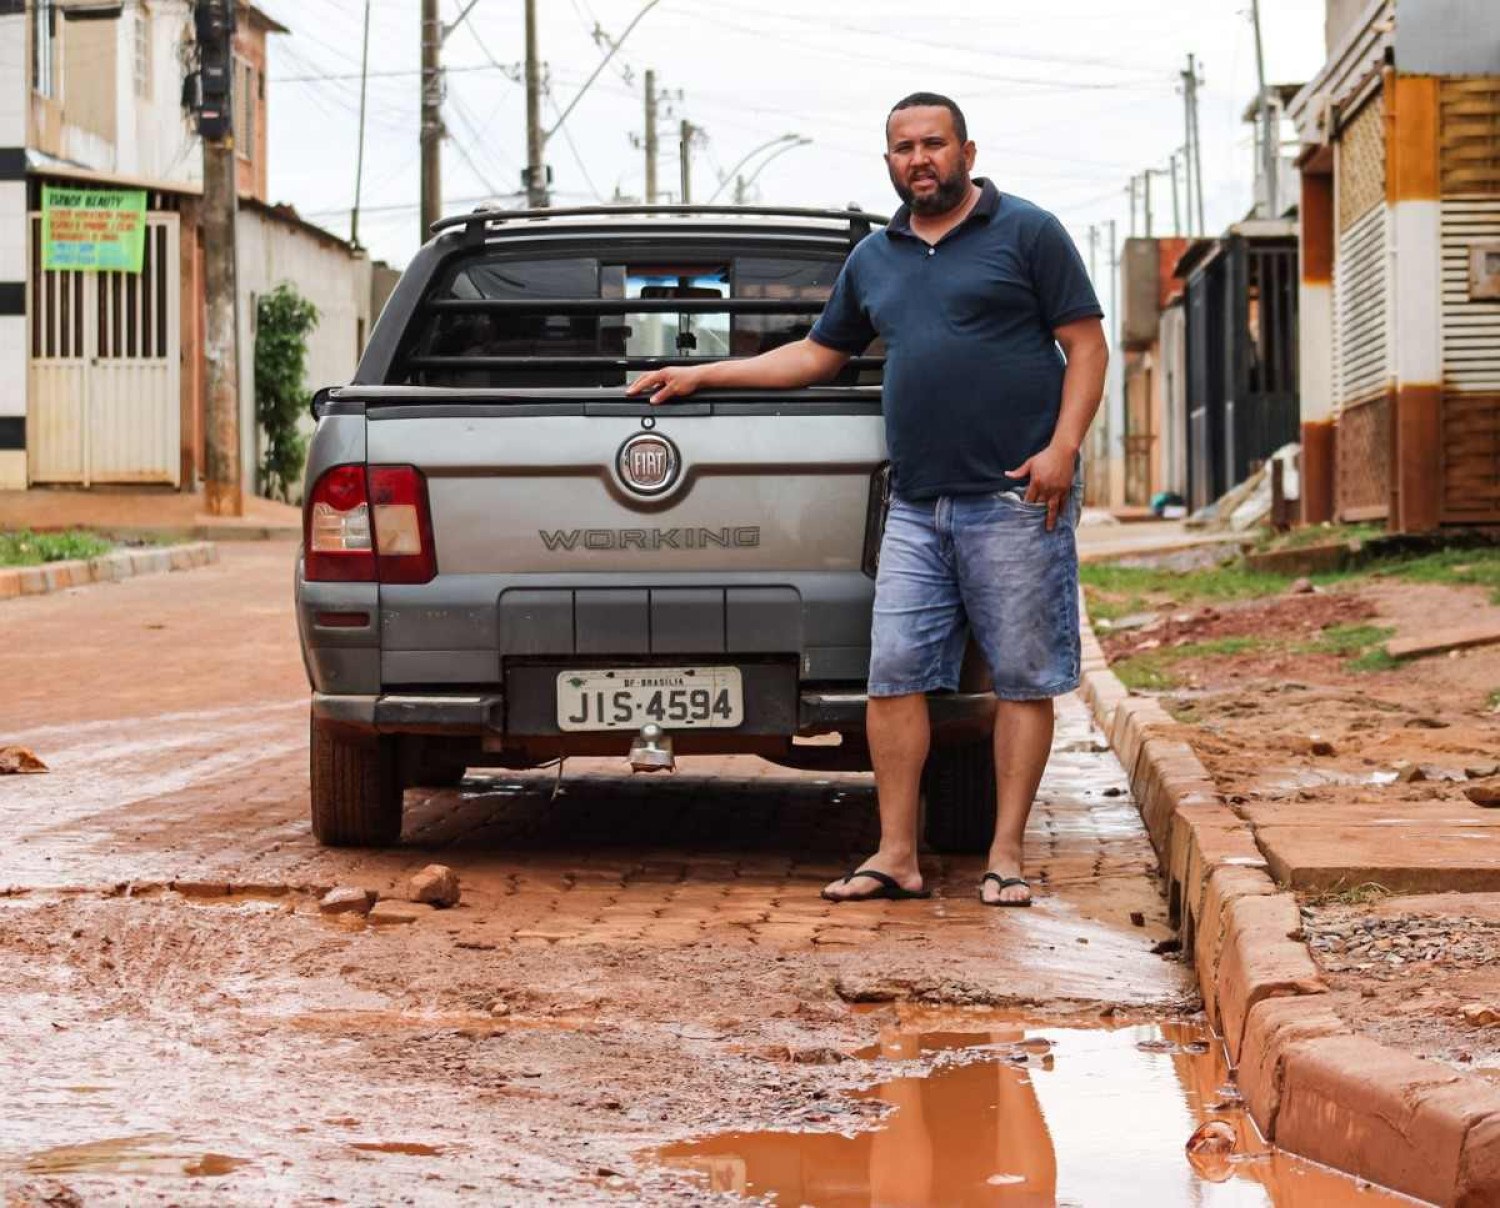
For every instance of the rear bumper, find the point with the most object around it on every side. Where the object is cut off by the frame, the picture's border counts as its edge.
(483, 715)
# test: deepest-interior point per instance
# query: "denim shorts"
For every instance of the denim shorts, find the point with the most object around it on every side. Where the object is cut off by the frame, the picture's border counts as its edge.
(984, 564)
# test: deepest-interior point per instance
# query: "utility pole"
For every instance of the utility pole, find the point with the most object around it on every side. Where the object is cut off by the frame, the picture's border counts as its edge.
(1114, 448)
(1094, 253)
(1194, 169)
(739, 190)
(685, 158)
(650, 137)
(1131, 190)
(1146, 188)
(536, 170)
(213, 22)
(359, 161)
(432, 117)
(1176, 200)
(1268, 148)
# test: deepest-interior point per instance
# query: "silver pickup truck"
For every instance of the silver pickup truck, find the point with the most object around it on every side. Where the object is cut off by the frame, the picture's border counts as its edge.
(507, 561)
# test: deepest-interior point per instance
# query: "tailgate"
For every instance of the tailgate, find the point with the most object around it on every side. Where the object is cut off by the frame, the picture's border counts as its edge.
(694, 488)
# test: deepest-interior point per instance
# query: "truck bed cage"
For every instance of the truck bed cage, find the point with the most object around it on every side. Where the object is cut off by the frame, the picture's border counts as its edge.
(630, 306)
(626, 363)
(859, 222)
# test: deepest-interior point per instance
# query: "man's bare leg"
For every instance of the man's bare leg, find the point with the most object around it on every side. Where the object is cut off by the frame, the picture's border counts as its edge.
(1023, 741)
(899, 735)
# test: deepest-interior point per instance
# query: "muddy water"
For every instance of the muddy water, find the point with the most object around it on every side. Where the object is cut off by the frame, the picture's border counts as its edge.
(1026, 1114)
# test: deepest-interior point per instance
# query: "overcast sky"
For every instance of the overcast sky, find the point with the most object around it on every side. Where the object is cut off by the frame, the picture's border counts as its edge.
(1065, 106)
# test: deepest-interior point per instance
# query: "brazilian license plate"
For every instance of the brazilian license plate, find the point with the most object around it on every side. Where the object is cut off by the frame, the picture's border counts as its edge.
(675, 698)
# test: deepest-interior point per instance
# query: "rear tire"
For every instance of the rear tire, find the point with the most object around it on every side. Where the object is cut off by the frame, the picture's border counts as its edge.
(958, 785)
(356, 789)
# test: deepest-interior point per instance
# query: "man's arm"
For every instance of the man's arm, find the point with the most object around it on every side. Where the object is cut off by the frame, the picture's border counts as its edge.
(1051, 470)
(802, 363)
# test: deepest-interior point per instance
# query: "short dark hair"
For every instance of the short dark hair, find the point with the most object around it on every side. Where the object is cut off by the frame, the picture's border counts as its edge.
(935, 99)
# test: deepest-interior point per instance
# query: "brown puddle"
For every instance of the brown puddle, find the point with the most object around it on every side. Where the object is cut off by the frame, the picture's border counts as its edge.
(1097, 1115)
(143, 1154)
(415, 1148)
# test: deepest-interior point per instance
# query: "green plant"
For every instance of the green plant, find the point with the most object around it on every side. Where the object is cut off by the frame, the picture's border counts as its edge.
(22, 547)
(283, 319)
(1374, 659)
(1492, 701)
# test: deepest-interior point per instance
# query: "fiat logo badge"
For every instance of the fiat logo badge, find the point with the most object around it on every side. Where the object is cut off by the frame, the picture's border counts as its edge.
(648, 464)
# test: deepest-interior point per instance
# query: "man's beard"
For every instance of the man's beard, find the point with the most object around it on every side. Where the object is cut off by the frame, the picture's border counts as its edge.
(950, 192)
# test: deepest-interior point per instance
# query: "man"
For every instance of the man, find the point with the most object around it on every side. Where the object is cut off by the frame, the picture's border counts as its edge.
(974, 292)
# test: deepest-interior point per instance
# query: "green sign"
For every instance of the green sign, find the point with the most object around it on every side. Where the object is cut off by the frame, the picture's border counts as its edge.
(93, 230)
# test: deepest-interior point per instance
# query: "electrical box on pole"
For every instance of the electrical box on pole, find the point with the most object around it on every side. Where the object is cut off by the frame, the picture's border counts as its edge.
(211, 88)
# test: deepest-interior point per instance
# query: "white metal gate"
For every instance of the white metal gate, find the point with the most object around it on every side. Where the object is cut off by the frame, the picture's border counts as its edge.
(104, 398)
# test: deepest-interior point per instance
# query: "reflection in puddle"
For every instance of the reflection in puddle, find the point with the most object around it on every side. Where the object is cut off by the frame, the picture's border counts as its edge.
(149, 1153)
(1093, 1116)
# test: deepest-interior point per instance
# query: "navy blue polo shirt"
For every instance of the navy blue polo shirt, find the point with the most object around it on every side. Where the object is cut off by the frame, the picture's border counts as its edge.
(973, 375)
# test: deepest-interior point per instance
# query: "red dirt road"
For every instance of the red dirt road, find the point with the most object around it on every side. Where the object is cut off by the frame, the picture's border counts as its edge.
(637, 962)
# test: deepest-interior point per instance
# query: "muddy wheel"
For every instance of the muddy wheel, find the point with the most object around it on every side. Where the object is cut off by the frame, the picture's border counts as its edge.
(958, 787)
(356, 789)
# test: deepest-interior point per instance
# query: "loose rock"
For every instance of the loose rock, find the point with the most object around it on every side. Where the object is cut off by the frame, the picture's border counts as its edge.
(19, 761)
(436, 885)
(347, 899)
(394, 914)
(1486, 796)
(1301, 587)
(1478, 771)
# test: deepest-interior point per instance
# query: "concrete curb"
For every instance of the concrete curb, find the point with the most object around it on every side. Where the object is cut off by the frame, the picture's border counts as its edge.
(107, 568)
(1313, 1086)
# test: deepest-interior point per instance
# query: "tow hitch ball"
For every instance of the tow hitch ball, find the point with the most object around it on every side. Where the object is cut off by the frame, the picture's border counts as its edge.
(652, 750)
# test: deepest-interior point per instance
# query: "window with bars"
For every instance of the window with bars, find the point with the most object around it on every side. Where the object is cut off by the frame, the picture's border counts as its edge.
(44, 48)
(142, 48)
(244, 105)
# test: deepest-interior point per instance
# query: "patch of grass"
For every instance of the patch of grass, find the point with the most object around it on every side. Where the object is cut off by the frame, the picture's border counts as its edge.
(1109, 608)
(1473, 567)
(1357, 895)
(1374, 659)
(1319, 534)
(22, 547)
(1152, 670)
(1346, 640)
(1492, 701)
(1229, 582)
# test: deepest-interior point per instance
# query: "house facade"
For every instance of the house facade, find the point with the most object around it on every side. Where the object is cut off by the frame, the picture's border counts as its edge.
(101, 376)
(1400, 266)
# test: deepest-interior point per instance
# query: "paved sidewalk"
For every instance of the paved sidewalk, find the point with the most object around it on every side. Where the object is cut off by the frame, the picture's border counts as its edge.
(1099, 540)
(157, 513)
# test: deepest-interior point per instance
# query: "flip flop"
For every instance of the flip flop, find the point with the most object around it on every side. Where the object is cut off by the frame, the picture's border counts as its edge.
(890, 889)
(1004, 883)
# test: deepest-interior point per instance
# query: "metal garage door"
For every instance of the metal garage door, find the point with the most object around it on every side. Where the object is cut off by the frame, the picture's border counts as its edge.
(104, 403)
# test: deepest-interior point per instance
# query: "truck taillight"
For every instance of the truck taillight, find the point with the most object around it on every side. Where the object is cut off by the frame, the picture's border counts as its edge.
(336, 528)
(403, 525)
(879, 504)
(363, 527)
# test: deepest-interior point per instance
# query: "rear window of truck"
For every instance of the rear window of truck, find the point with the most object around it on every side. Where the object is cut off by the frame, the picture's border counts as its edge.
(579, 321)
